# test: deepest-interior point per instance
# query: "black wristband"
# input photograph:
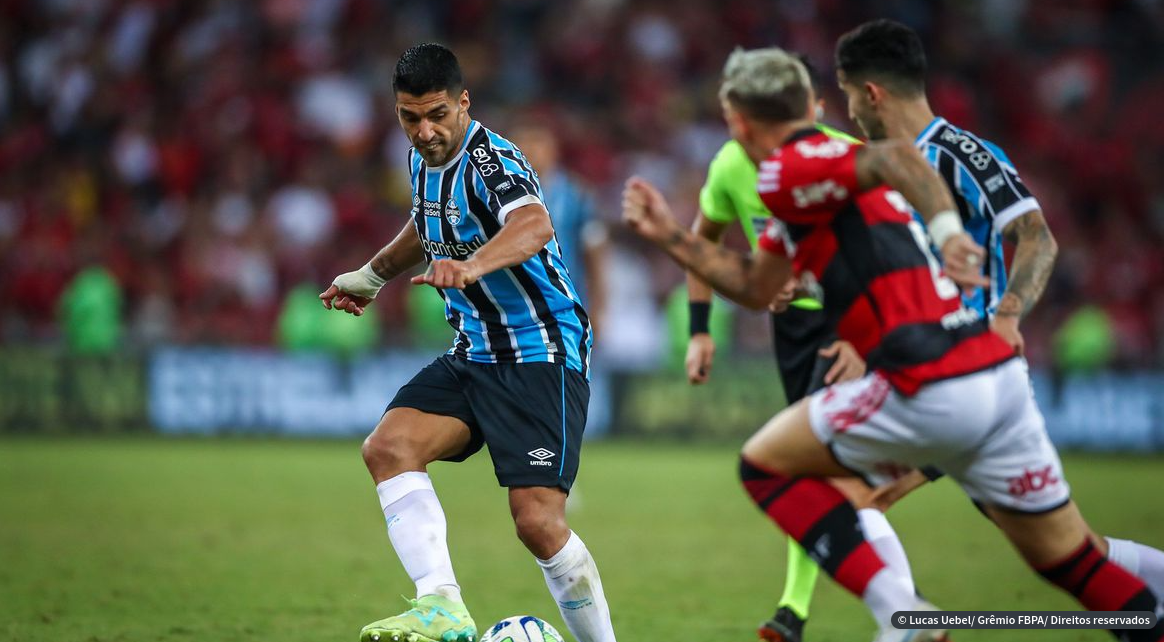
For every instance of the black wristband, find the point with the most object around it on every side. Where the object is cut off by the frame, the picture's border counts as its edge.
(700, 315)
(932, 473)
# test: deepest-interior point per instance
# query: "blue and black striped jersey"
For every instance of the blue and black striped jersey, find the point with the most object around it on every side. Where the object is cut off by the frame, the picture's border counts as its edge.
(527, 313)
(989, 195)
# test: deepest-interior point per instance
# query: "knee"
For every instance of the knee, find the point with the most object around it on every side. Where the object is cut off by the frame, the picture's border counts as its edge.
(756, 461)
(391, 452)
(759, 456)
(541, 530)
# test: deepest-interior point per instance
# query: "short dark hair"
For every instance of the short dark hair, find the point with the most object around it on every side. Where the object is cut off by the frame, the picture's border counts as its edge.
(886, 51)
(425, 68)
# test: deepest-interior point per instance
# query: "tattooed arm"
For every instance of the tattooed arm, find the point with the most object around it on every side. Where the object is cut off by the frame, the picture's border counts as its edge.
(400, 255)
(899, 165)
(1034, 259)
(750, 280)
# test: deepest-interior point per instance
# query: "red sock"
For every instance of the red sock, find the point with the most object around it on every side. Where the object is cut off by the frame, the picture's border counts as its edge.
(1100, 585)
(819, 517)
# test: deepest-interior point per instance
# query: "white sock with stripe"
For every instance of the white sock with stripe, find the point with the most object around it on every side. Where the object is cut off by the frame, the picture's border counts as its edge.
(417, 529)
(572, 578)
(1144, 562)
(881, 536)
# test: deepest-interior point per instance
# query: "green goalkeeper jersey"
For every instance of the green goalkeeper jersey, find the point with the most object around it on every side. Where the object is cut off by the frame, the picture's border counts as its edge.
(730, 195)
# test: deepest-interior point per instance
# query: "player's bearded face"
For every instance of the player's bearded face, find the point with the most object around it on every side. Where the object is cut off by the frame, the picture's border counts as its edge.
(862, 111)
(435, 123)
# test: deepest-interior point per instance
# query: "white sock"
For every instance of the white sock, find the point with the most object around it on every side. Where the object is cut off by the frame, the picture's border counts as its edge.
(888, 593)
(572, 578)
(1144, 562)
(416, 526)
(881, 536)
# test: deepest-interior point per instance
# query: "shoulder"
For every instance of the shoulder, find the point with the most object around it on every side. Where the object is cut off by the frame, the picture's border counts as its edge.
(985, 177)
(731, 170)
(809, 174)
(837, 134)
(729, 157)
(484, 147)
(977, 155)
(495, 157)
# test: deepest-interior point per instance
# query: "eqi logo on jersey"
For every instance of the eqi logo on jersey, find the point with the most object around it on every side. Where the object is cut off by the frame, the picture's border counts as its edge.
(979, 158)
(452, 212)
(484, 165)
(1032, 481)
(831, 148)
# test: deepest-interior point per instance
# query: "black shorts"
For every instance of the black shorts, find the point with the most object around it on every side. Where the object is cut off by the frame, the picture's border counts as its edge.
(797, 335)
(530, 414)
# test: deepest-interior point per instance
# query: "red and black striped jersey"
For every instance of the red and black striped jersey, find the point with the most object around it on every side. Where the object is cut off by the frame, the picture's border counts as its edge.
(883, 288)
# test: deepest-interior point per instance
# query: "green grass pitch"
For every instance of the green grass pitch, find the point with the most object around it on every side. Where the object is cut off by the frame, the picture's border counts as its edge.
(156, 539)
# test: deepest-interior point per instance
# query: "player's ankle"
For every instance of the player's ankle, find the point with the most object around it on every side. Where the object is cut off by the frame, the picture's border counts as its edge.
(450, 592)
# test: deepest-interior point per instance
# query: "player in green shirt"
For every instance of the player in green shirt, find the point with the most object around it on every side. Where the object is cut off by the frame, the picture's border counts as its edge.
(809, 356)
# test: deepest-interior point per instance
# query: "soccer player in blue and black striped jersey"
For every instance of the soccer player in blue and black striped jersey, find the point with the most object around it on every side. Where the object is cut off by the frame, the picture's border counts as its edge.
(516, 377)
(881, 67)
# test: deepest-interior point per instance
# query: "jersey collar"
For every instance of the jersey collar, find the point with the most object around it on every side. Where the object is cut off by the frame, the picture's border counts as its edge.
(801, 134)
(469, 133)
(928, 132)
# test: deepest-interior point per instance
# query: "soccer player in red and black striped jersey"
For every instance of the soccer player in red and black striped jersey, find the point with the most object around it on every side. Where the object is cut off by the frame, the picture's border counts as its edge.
(942, 388)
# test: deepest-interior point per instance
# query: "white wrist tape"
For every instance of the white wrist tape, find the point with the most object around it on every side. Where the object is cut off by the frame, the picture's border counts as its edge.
(944, 225)
(363, 282)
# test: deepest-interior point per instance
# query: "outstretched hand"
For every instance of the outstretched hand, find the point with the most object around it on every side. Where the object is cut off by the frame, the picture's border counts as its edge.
(334, 298)
(447, 273)
(646, 211)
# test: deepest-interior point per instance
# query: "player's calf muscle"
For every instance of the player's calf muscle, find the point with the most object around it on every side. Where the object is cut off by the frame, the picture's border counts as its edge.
(539, 516)
(1045, 538)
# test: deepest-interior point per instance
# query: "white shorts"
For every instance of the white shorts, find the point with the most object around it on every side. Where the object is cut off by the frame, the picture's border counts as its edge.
(983, 430)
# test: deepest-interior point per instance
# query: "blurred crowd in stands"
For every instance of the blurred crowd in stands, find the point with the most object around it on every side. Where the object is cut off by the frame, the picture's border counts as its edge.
(194, 172)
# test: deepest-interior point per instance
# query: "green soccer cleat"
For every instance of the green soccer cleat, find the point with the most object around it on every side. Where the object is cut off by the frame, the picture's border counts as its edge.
(432, 618)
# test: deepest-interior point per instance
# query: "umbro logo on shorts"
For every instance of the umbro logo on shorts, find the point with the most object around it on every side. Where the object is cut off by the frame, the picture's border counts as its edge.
(540, 455)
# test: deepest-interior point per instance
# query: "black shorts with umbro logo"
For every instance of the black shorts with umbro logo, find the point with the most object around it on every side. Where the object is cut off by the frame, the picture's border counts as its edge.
(531, 415)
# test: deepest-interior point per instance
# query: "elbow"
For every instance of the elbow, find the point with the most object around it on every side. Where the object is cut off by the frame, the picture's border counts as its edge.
(545, 231)
(541, 235)
(1051, 248)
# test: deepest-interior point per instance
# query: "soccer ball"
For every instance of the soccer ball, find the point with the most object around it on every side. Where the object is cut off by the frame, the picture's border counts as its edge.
(521, 628)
